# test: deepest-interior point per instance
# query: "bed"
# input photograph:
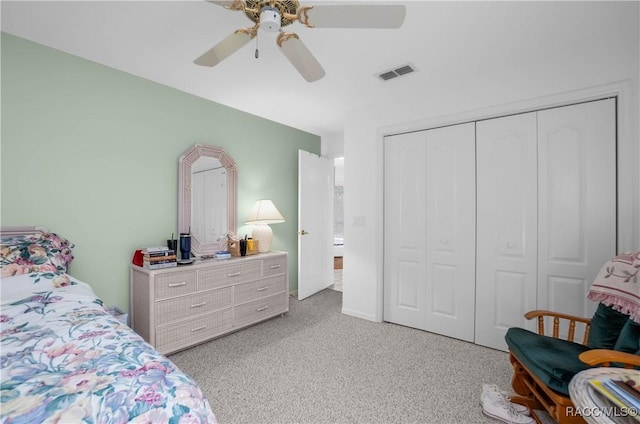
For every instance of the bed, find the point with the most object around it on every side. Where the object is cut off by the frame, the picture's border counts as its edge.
(65, 359)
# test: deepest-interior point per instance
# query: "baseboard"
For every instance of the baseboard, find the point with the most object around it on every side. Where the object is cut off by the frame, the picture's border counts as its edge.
(359, 314)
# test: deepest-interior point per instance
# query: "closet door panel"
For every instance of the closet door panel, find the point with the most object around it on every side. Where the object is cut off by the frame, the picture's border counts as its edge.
(450, 230)
(577, 202)
(511, 289)
(507, 226)
(443, 296)
(404, 242)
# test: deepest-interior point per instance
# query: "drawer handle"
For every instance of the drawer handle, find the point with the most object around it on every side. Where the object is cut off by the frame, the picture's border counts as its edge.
(264, 308)
(233, 274)
(263, 288)
(198, 328)
(274, 266)
(178, 284)
(197, 305)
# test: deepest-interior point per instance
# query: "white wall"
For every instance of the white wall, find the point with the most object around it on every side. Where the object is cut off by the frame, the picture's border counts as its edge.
(333, 146)
(609, 65)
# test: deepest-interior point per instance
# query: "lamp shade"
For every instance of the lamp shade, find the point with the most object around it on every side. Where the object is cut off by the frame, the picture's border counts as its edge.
(264, 212)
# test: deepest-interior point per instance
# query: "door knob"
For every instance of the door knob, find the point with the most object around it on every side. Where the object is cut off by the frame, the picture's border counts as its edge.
(303, 232)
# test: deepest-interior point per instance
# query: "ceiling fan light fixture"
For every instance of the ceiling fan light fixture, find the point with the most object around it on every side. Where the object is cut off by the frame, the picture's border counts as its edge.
(273, 15)
(270, 19)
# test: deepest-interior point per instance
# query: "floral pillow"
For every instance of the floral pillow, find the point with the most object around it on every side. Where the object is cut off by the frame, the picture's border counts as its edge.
(43, 252)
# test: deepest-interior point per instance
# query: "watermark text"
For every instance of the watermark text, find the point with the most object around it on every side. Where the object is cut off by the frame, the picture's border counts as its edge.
(594, 411)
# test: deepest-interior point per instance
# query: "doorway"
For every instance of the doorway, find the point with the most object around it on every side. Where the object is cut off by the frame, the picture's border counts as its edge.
(338, 223)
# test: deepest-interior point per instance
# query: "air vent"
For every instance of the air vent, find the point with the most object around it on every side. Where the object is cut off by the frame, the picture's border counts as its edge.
(398, 72)
(388, 75)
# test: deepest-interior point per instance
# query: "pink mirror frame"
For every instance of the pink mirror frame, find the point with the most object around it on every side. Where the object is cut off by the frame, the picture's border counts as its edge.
(184, 195)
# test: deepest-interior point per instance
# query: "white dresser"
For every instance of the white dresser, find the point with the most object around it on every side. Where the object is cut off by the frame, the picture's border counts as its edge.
(176, 308)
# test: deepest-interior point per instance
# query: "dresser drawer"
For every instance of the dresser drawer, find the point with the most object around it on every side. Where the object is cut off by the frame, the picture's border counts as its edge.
(175, 284)
(228, 275)
(172, 337)
(247, 292)
(260, 309)
(194, 304)
(274, 266)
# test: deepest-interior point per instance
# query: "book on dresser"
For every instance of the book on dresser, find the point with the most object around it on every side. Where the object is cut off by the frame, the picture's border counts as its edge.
(156, 249)
(160, 265)
(159, 258)
(168, 253)
(177, 308)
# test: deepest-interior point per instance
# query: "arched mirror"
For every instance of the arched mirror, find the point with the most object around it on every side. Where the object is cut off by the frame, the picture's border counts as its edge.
(207, 198)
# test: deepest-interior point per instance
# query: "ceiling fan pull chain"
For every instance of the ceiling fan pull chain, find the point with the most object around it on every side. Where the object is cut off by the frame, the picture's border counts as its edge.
(257, 52)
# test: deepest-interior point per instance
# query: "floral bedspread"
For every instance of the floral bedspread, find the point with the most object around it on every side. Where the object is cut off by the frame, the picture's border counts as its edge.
(64, 359)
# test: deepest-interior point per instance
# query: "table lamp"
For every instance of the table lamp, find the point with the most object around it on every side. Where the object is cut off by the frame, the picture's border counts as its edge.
(263, 213)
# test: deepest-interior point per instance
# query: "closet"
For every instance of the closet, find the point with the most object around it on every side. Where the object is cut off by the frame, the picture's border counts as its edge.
(489, 219)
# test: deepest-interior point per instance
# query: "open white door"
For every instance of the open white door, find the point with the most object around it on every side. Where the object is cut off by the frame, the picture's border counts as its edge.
(315, 223)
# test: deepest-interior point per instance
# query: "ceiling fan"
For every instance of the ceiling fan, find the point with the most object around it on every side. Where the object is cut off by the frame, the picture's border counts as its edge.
(273, 15)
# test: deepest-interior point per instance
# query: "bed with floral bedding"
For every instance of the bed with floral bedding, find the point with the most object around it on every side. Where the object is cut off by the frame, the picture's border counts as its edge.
(65, 359)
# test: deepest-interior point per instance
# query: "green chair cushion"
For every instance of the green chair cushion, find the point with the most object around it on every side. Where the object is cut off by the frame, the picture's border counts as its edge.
(553, 361)
(606, 325)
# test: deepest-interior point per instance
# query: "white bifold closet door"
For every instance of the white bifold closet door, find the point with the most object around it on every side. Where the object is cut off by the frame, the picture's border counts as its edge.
(507, 265)
(487, 220)
(430, 230)
(577, 231)
(546, 213)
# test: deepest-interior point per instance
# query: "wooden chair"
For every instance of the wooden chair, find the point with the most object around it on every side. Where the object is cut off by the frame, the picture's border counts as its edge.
(544, 364)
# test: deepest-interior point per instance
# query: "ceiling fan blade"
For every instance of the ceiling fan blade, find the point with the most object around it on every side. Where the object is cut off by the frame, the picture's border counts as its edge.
(300, 56)
(229, 4)
(353, 16)
(225, 48)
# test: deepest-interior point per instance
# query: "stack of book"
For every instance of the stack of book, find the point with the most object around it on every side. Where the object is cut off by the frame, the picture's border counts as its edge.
(158, 257)
(223, 254)
(624, 393)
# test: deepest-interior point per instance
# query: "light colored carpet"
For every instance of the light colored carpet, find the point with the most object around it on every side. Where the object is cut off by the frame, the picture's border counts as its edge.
(317, 365)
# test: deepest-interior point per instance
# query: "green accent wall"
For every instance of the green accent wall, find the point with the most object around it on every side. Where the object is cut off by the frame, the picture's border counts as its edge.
(92, 154)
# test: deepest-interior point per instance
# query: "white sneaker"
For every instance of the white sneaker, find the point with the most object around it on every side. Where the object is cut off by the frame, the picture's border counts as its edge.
(493, 391)
(504, 412)
(501, 409)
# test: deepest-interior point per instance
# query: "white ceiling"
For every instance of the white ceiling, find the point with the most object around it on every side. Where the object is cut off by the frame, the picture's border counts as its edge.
(445, 41)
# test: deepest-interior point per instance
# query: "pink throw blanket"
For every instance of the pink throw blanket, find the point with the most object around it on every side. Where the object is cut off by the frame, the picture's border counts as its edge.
(618, 284)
